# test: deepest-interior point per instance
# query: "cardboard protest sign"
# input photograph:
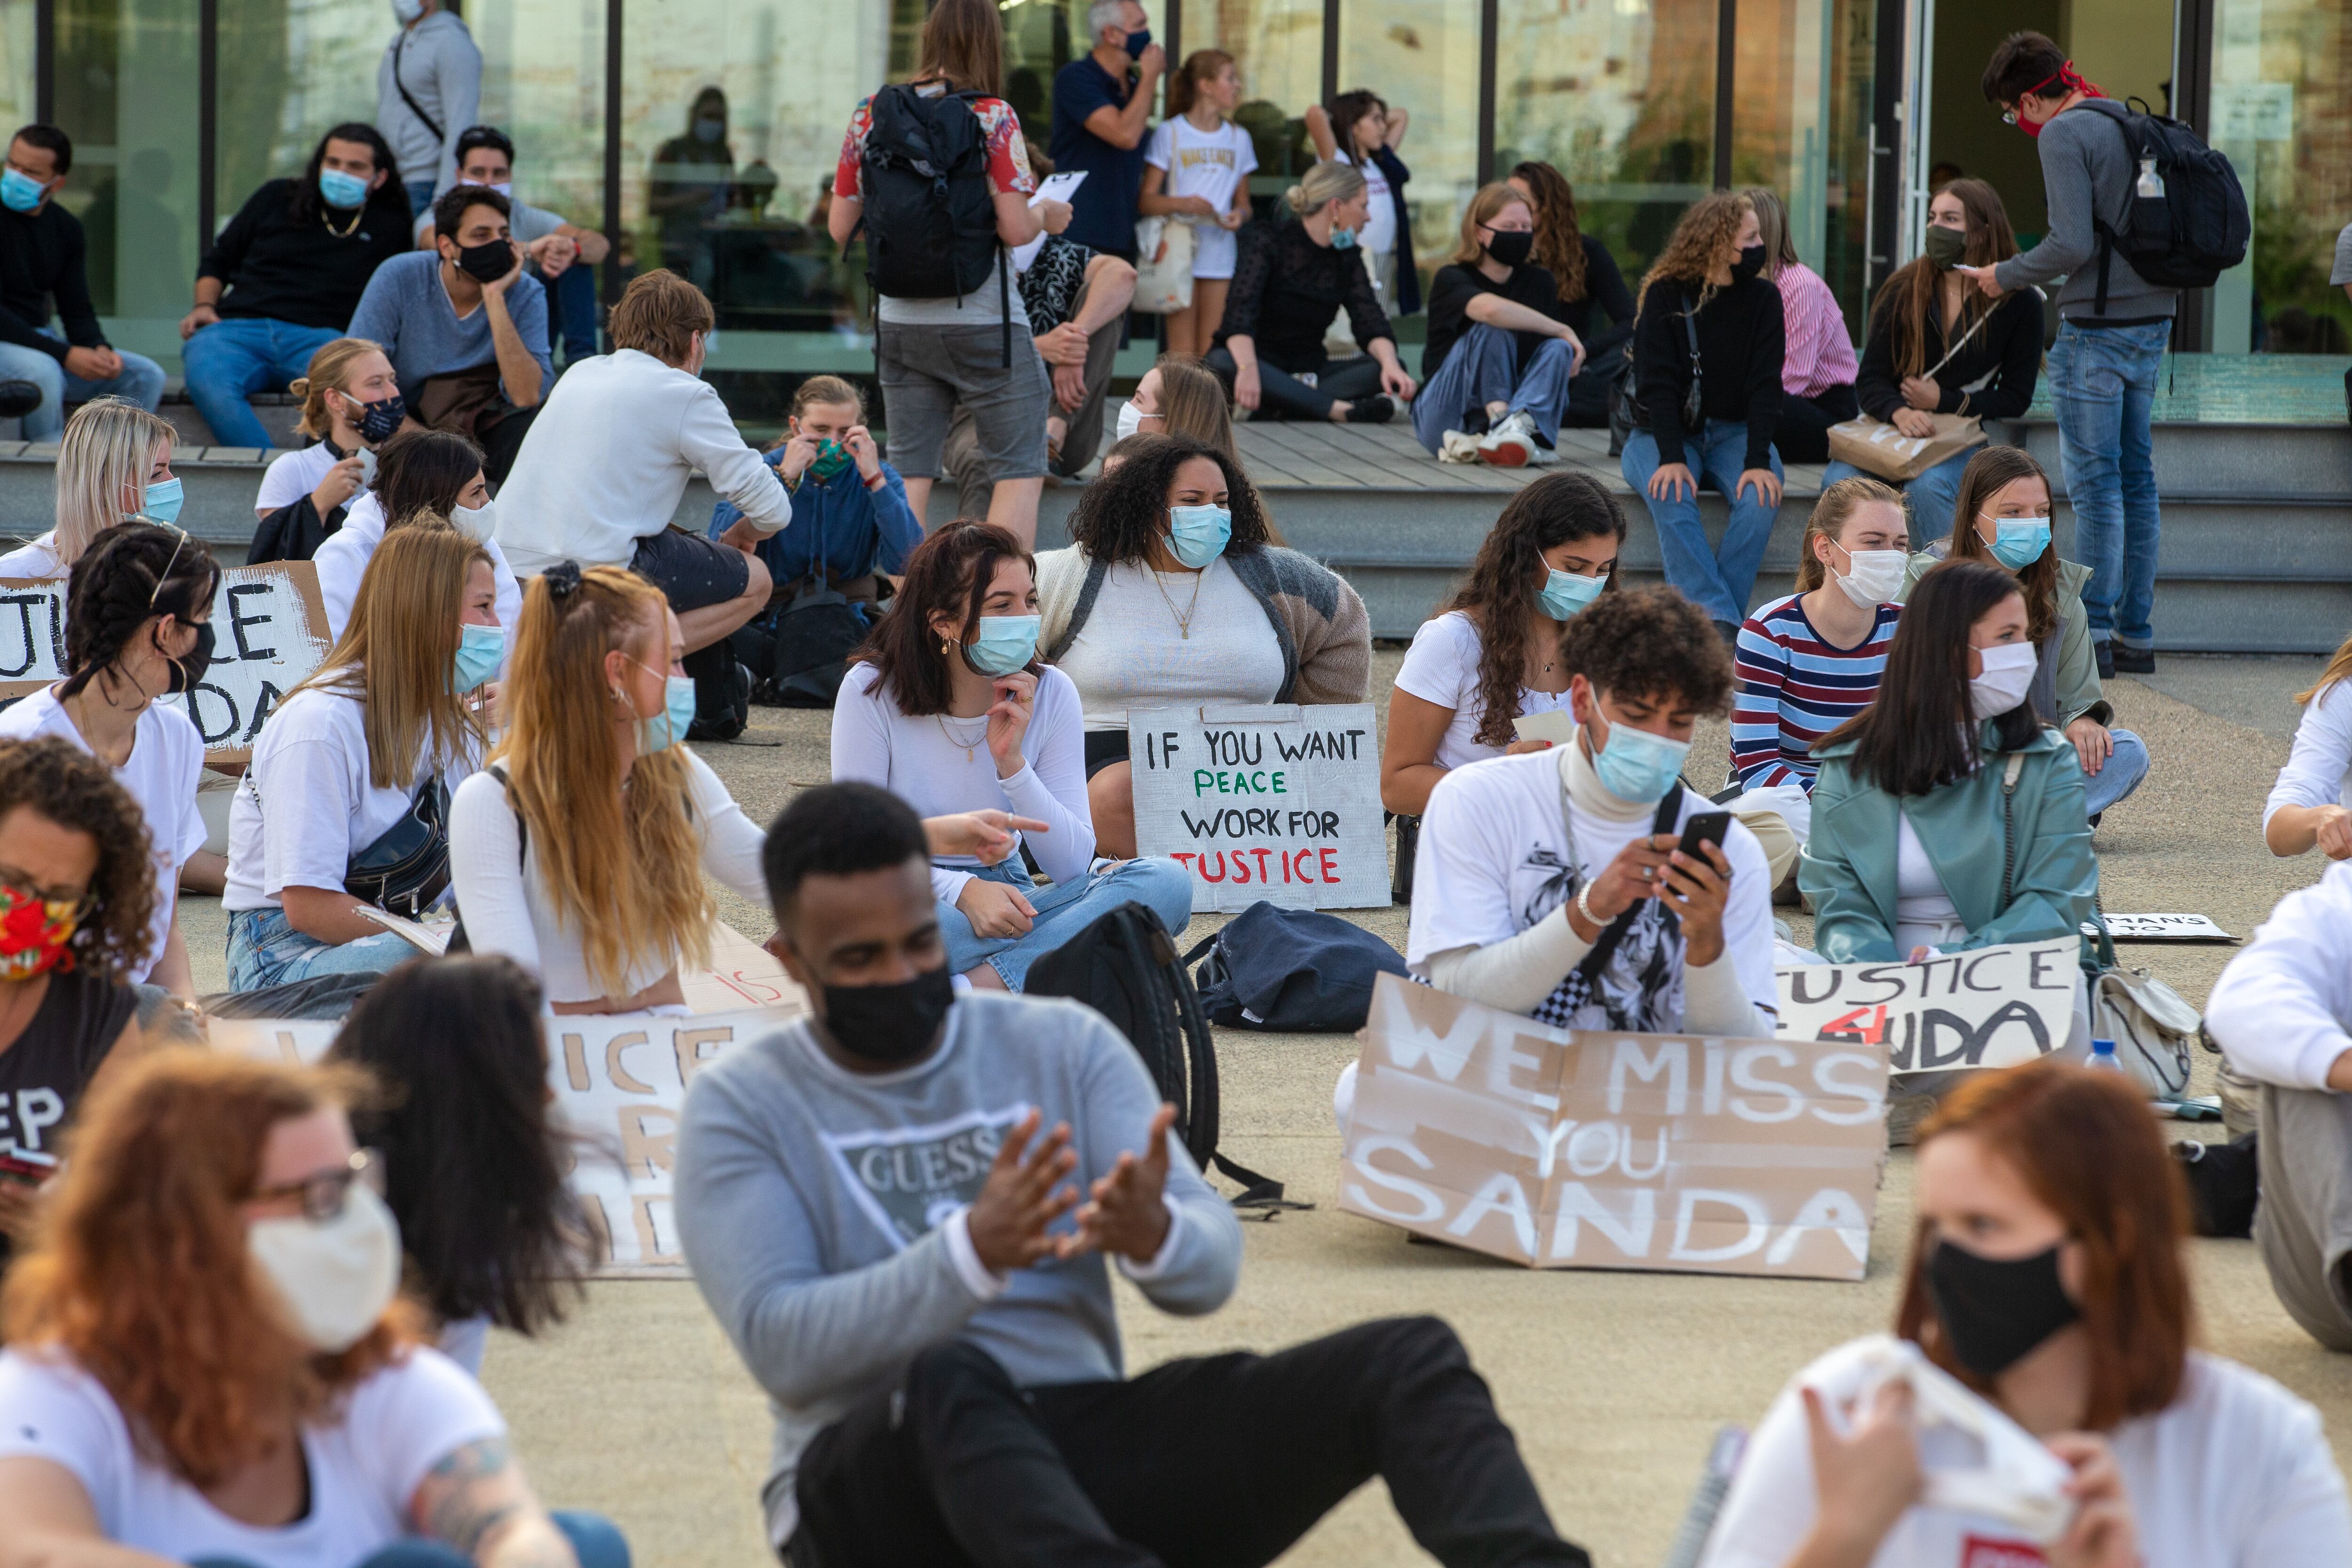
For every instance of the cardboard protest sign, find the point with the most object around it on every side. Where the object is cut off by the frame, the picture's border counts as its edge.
(1279, 803)
(2161, 927)
(269, 631)
(1586, 1149)
(1992, 1008)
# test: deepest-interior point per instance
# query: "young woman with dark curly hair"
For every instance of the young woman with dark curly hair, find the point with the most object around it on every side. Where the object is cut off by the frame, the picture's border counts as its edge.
(1173, 595)
(208, 1360)
(77, 908)
(1493, 654)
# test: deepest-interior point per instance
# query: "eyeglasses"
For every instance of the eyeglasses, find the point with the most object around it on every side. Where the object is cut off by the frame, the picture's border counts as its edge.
(324, 1195)
(59, 903)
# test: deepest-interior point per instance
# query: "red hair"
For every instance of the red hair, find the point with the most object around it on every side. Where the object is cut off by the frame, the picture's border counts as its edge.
(2088, 1150)
(142, 1274)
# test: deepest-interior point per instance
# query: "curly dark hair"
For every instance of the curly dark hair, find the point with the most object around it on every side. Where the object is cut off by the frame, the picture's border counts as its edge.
(130, 576)
(949, 572)
(1499, 594)
(1651, 643)
(1120, 515)
(56, 779)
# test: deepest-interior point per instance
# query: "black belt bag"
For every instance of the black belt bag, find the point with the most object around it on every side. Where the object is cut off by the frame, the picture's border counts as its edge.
(407, 869)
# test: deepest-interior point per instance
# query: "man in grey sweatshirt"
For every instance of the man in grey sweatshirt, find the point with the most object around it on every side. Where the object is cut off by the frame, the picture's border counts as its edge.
(903, 1211)
(2113, 328)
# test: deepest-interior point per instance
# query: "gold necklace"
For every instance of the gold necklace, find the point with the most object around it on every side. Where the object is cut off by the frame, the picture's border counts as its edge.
(346, 231)
(1184, 619)
(971, 748)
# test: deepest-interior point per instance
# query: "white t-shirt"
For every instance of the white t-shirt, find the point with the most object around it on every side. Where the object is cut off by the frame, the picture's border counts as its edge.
(1208, 165)
(2235, 1473)
(316, 807)
(1496, 859)
(38, 559)
(1379, 235)
(1442, 666)
(495, 874)
(1131, 652)
(386, 1436)
(2318, 772)
(343, 560)
(165, 765)
(293, 475)
(940, 764)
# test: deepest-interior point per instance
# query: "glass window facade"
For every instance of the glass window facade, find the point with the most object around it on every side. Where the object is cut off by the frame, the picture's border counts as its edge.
(126, 91)
(1422, 55)
(2283, 111)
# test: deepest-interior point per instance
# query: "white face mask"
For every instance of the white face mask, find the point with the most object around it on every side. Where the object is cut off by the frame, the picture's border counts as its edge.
(1131, 419)
(337, 1275)
(1876, 577)
(476, 523)
(2008, 677)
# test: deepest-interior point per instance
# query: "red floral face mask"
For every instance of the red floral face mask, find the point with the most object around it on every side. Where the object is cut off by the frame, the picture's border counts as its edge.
(34, 931)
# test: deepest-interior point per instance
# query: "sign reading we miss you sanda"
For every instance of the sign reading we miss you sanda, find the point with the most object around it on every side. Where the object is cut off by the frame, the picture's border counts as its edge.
(270, 635)
(1275, 802)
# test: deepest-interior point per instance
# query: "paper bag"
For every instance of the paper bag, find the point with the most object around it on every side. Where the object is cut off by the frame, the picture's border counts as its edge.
(1877, 448)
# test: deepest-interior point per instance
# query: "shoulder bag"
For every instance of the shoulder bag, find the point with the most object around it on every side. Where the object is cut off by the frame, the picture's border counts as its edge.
(1878, 448)
(405, 869)
(1164, 266)
(1624, 394)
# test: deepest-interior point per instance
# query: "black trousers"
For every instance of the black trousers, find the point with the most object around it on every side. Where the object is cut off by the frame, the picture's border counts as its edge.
(1283, 395)
(1803, 434)
(1220, 1462)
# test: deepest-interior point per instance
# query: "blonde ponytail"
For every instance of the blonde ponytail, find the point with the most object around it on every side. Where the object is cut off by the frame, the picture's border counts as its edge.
(1323, 185)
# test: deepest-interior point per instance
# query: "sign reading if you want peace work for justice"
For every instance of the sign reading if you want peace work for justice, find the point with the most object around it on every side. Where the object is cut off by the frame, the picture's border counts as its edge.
(1989, 1008)
(1279, 803)
(270, 632)
(1585, 1149)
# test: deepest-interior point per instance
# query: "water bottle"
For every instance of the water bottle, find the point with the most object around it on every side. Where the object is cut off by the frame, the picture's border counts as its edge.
(2103, 1057)
(2152, 183)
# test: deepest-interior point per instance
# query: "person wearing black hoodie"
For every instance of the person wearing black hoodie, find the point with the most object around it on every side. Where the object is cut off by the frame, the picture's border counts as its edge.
(1706, 310)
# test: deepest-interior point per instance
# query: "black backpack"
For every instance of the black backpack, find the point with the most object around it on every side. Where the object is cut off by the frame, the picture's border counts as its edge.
(2194, 226)
(1124, 967)
(1298, 971)
(930, 213)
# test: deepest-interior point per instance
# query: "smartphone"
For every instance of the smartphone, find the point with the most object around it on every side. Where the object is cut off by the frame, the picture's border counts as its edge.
(1704, 827)
(32, 1170)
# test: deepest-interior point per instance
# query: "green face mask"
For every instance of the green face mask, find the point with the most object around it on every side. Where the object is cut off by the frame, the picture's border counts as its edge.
(831, 457)
(1946, 248)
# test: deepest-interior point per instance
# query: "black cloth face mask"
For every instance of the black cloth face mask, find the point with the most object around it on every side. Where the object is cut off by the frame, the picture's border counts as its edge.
(1750, 263)
(486, 262)
(890, 1025)
(190, 667)
(1511, 247)
(1997, 1310)
(378, 420)
(1945, 247)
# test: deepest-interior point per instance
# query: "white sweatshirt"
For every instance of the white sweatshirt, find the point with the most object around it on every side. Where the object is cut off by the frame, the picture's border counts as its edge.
(610, 454)
(2318, 772)
(2282, 1009)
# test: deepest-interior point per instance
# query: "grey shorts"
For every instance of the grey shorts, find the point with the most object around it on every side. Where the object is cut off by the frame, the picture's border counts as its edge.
(926, 370)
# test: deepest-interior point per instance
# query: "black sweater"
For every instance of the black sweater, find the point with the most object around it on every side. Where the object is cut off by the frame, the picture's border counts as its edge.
(43, 257)
(293, 268)
(1741, 341)
(2009, 346)
(1604, 286)
(1287, 288)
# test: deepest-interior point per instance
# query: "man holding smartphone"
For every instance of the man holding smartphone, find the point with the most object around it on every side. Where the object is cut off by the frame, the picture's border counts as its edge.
(1587, 886)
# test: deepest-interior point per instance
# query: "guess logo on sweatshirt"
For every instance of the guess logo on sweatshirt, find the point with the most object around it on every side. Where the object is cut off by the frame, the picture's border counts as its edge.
(907, 1180)
(1980, 1551)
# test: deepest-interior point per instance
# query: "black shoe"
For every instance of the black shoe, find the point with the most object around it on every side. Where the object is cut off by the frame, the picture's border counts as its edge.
(18, 399)
(723, 705)
(1374, 410)
(1475, 422)
(2105, 651)
(2128, 660)
(2095, 820)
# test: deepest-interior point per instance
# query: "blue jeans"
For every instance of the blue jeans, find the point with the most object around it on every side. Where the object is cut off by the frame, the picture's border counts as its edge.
(1718, 580)
(2102, 388)
(230, 361)
(420, 196)
(142, 382)
(1064, 909)
(264, 949)
(1932, 494)
(2118, 776)
(572, 310)
(1483, 367)
(594, 1541)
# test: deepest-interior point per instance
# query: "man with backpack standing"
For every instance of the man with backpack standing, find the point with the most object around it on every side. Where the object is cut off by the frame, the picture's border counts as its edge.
(2138, 212)
(427, 90)
(948, 329)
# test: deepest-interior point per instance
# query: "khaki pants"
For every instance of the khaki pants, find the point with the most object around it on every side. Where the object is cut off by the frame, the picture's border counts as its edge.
(2304, 1223)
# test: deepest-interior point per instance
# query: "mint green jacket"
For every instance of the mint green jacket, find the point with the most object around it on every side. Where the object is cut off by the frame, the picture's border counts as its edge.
(1848, 868)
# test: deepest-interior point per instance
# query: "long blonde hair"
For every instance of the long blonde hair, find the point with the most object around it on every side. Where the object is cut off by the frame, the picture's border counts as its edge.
(399, 648)
(110, 446)
(2338, 667)
(622, 867)
(330, 367)
(1697, 244)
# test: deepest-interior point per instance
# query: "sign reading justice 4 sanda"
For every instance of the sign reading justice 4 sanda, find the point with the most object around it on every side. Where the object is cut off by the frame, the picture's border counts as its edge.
(1279, 803)
(1987, 1007)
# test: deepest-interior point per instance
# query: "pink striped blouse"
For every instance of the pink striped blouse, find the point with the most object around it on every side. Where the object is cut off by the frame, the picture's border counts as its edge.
(1820, 355)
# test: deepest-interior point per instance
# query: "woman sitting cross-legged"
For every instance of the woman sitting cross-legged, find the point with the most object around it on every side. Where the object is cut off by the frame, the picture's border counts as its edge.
(352, 770)
(1174, 596)
(2001, 517)
(208, 1360)
(947, 707)
(1499, 355)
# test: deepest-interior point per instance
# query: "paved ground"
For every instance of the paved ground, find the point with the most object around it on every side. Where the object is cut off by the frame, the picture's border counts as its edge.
(1614, 1382)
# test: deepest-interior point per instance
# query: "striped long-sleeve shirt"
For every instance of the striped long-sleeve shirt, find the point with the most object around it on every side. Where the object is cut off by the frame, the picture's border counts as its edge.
(1819, 354)
(1795, 688)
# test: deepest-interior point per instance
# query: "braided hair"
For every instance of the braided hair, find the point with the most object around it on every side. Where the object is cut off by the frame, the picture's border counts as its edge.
(130, 575)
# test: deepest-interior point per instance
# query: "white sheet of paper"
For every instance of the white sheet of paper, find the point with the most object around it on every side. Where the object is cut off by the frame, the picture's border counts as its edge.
(431, 938)
(1556, 725)
(2164, 928)
(1057, 187)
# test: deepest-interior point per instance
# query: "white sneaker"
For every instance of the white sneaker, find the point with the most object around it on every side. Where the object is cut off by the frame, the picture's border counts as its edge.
(1511, 444)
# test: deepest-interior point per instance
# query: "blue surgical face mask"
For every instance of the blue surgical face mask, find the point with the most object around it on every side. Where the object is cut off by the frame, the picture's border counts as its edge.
(19, 192)
(1638, 767)
(1343, 238)
(1003, 643)
(668, 727)
(338, 189)
(1197, 534)
(481, 649)
(2017, 542)
(161, 503)
(1563, 593)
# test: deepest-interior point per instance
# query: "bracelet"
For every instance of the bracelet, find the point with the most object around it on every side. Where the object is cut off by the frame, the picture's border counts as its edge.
(1585, 909)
